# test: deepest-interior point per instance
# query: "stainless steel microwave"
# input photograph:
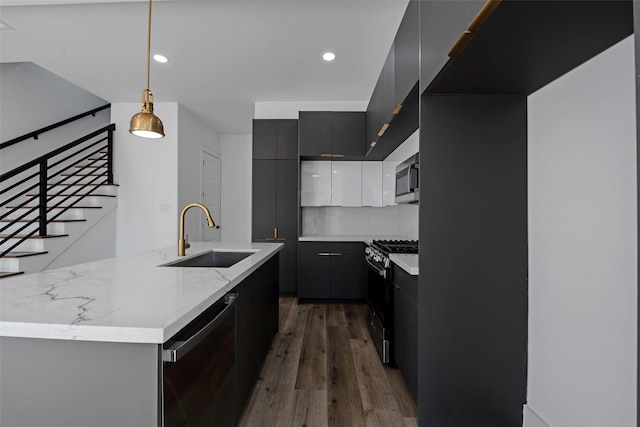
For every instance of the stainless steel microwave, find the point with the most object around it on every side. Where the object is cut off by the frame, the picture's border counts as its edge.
(407, 180)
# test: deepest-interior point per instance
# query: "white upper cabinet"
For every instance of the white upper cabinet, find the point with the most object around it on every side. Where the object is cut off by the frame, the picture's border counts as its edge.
(346, 183)
(372, 189)
(389, 182)
(315, 183)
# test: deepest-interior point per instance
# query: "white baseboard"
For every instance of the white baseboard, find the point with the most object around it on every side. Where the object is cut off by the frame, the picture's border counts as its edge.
(532, 419)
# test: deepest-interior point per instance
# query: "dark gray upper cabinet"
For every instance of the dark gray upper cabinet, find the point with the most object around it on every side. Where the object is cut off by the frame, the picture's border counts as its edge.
(338, 135)
(348, 131)
(315, 133)
(407, 52)
(275, 139)
(442, 22)
(524, 45)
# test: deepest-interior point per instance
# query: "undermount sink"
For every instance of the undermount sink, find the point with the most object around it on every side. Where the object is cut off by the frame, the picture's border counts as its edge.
(220, 259)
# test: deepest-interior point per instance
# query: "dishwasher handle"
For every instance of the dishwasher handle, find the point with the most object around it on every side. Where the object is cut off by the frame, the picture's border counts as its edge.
(180, 348)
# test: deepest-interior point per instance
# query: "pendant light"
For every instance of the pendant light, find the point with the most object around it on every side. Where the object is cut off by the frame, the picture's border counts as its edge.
(146, 124)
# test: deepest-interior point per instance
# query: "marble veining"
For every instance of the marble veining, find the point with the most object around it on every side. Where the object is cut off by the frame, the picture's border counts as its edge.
(127, 299)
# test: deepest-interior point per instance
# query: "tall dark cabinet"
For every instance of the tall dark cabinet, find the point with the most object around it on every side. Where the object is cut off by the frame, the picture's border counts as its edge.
(274, 211)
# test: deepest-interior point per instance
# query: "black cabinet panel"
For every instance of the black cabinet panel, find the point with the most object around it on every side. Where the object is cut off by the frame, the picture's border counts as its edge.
(314, 276)
(407, 52)
(315, 131)
(287, 198)
(256, 324)
(442, 22)
(328, 135)
(330, 270)
(263, 196)
(346, 278)
(287, 139)
(275, 192)
(348, 130)
(473, 260)
(405, 329)
(264, 139)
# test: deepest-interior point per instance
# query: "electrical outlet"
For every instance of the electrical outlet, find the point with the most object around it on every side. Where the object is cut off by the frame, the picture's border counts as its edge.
(316, 221)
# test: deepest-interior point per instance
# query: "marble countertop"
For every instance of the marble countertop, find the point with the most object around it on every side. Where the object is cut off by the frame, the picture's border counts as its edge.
(123, 299)
(347, 237)
(407, 262)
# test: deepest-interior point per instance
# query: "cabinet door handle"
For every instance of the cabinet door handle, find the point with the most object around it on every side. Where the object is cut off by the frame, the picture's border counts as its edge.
(326, 155)
(397, 109)
(395, 285)
(324, 253)
(383, 129)
(337, 155)
(336, 254)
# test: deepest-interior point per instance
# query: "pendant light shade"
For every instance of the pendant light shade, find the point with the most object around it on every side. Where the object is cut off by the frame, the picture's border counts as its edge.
(146, 124)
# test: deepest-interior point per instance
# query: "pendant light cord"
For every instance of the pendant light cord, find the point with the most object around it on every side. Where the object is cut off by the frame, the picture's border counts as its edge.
(149, 45)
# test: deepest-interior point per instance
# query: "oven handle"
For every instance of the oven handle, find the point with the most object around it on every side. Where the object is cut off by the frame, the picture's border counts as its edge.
(180, 348)
(381, 271)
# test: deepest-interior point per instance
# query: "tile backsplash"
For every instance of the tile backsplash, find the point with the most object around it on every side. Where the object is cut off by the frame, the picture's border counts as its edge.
(397, 220)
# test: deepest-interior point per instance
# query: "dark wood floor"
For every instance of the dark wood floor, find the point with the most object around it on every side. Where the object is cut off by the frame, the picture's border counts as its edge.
(323, 370)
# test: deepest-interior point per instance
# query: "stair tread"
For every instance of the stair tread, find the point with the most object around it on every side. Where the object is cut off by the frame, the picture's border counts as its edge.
(56, 207)
(35, 236)
(35, 222)
(83, 174)
(76, 195)
(4, 274)
(23, 254)
(92, 184)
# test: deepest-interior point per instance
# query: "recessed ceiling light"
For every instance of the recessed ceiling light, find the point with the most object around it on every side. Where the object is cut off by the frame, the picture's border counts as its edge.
(328, 56)
(160, 58)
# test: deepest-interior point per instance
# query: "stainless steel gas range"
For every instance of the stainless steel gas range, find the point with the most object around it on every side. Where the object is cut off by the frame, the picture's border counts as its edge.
(380, 290)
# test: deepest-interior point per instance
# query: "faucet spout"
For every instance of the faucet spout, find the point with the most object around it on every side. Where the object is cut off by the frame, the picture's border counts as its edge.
(183, 242)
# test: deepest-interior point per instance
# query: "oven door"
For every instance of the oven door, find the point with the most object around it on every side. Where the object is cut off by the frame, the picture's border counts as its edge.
(379, 301)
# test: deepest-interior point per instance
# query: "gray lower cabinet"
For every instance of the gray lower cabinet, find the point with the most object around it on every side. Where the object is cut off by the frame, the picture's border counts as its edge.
(405, 327)
(330, 270)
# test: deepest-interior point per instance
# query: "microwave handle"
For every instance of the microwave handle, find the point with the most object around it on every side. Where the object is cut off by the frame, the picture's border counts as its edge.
(416, 167)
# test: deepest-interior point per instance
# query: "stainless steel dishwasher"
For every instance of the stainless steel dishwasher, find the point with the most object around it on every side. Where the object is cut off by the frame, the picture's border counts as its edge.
(199, 370)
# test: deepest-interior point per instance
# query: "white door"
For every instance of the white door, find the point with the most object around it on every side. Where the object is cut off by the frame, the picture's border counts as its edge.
(210, 190)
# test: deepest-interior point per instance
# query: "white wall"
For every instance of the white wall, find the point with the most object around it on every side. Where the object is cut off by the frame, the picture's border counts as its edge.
(583, 246)
(33, 98)
(193, 134)
(289, 110)
(236, 162)
(147, 172)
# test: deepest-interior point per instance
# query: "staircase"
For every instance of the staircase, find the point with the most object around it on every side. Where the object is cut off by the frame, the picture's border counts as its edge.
(48, 204)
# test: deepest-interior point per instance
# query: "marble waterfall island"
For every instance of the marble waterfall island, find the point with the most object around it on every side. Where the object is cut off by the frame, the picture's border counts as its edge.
(81, 345)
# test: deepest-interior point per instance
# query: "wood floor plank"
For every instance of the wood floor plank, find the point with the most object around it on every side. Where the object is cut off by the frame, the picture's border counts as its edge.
(375, 391)
(344, 405)
(360, 390)
(404, 399)
(284, 305)
(310, 408)
(410, 422)
(355, 316)
(295, 322)
(335, 316)
(312, 371)
(273, 402)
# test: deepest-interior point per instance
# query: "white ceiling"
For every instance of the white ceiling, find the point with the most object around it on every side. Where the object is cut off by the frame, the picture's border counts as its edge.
(224, 55)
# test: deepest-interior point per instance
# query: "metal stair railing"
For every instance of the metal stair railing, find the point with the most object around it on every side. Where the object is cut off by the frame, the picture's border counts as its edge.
(66, 165)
